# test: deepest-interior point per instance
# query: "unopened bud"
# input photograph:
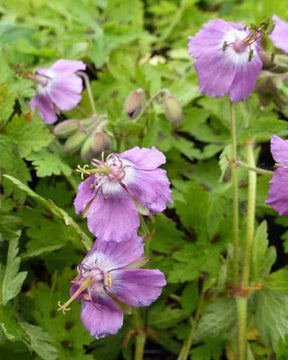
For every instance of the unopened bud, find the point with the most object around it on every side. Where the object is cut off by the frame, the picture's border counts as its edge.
(87, 148)
(101, 142)
(134, 103)
(66, 128)
(173, 109)
(74, 142)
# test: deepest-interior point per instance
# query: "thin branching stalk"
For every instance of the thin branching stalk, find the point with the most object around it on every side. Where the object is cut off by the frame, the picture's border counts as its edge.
(89, 91)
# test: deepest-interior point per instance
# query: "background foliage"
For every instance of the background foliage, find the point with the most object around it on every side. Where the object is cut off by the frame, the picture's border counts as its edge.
(129, 44)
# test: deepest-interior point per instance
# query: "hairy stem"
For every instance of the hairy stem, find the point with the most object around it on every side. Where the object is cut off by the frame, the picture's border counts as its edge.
(140, 336)
(241, 303)
(185, 350)
(250, 214)
(89, 91)
(234, 172)
(255, 169)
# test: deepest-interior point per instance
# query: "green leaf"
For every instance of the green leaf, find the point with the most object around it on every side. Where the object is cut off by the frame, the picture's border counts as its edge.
(29, 135)
(193, 210)
(48, 163)
(40, 342)
(278, 282)
(224, 158)
(211, 350)
(12, 279)
(54, 209)
(219, 319)
(262, 256)
(271, 316)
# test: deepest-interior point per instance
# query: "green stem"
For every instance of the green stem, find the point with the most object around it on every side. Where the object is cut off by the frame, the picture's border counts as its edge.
(140, 337)
(89, 91)
(185, 350)
(149, 102)
(255, 169)
(241, 303)
(234, 172)
(250, 214)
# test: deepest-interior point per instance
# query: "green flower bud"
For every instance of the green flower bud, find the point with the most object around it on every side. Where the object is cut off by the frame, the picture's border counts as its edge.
(173, 109)
(74, 142)
(87, 148)
(101, 142)
(66, 128)
(134, 103)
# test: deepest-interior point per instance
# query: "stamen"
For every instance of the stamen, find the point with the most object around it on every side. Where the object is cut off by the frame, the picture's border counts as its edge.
(64, 308)
(108, 279)
(251, 52)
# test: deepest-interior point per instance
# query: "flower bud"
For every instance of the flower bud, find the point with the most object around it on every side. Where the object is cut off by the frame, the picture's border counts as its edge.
(87, 148)
(74, 142)
(134, 103)
(66, 128)
(173, 109)
(101, 142)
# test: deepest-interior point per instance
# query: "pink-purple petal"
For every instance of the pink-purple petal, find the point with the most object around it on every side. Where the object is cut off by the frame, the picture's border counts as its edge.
(278, 191)
(137, 287)
(245, 79)
(67, 67)
(45, 107)
(279, 34)
(144, 158)
(151, 189)
(114, 255)
(115, 218)
(279, 150)
(102, 317)
(85, 194)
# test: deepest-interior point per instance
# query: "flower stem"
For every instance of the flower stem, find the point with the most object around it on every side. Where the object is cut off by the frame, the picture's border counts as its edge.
(250, 214)
(149, 102)
(255, 169)
(241, 301)
(140, 337)
(89, 90)
(235, 194)
(185, 350)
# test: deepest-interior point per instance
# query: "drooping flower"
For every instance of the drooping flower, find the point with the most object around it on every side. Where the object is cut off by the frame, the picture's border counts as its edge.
(108, 276)
(227, 59)
(279, 34)
(278, 191)
(120, 186)
(58, 88)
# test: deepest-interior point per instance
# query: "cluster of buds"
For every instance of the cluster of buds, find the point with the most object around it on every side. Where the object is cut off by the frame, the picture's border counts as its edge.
(136, 104)
(86, 135)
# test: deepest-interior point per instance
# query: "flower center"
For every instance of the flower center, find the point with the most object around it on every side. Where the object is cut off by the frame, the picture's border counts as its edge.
(240, 45)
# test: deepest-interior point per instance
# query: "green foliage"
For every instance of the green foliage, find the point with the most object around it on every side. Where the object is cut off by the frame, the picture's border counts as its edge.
(129, 45)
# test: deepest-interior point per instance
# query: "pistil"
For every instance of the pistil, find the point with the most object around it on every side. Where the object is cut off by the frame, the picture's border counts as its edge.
(64, 308)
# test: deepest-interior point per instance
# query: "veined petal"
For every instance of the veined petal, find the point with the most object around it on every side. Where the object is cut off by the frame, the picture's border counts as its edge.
(109, 255)
(86, 192)
(279, 35)
(279, 150)
(278, 191)
(137, 287)
(151, 189)
(102, 317)
(144, 158)
(45, 107)
(115, 218)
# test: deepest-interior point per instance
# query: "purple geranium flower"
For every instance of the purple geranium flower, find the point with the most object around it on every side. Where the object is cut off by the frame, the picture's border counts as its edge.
(227, 59)
(58, 88)
(279, 34)
(109, 275)
(278, 191)
(120, 186)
